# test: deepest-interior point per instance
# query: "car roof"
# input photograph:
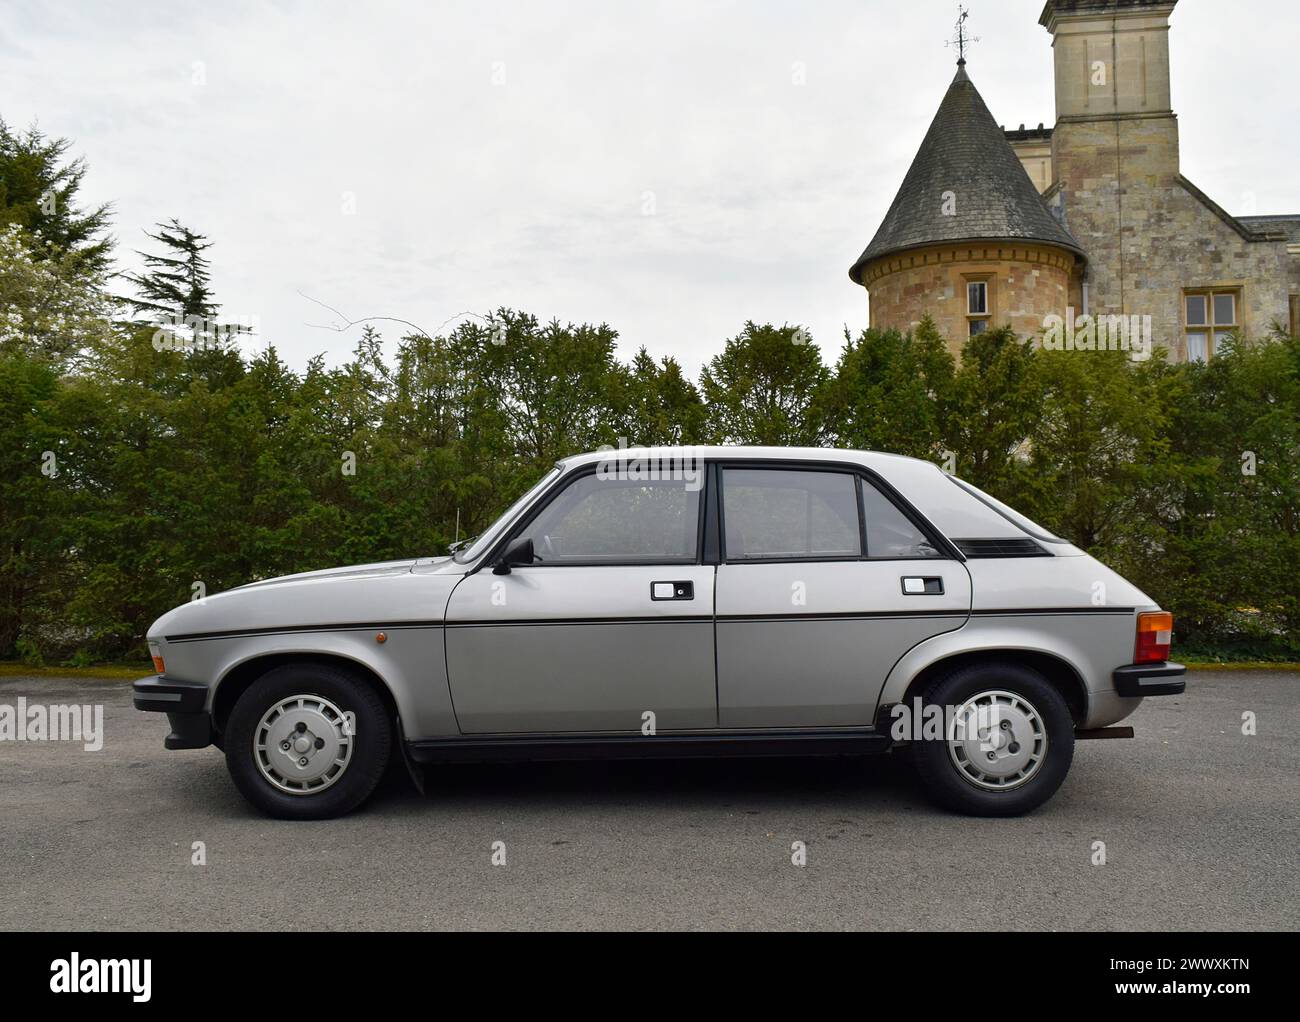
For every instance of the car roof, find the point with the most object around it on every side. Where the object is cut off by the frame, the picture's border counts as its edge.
(871, 459)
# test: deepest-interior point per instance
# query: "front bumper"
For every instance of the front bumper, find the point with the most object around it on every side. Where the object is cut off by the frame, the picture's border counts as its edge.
(183, 702)
(1142, 680)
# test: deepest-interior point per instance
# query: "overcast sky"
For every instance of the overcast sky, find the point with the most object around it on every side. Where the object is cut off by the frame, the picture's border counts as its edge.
(656, 166)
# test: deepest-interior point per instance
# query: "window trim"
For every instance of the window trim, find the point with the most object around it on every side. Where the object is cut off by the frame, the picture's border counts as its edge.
(556, 491)
(986, 316)
(1210, 329)
(864, 476)
(710, 546)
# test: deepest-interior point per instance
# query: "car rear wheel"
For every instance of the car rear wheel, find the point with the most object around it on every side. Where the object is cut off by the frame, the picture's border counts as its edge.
(1007, 740)
(308, 741)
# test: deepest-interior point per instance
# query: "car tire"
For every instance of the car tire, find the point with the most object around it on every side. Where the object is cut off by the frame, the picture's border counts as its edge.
(308, 741)
(1014, 765)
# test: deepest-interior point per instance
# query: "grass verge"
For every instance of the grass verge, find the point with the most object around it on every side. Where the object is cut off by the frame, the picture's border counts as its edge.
(107, 672)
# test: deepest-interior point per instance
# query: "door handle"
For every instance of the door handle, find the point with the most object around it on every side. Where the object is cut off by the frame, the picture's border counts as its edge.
(914, 585)
(662, 591)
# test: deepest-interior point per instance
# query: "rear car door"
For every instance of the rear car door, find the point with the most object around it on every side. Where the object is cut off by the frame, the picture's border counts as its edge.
(827, 579)
(611, 628)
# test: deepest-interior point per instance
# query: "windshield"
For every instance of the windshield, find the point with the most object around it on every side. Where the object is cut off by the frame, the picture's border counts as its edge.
(1010, 514)
(475, 548)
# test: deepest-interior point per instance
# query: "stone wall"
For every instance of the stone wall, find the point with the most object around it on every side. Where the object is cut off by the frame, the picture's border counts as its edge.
(1027, 284)
(1150, 234)
(1034, 148)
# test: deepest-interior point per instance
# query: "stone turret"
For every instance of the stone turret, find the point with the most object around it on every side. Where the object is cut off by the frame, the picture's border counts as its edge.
(968, 239)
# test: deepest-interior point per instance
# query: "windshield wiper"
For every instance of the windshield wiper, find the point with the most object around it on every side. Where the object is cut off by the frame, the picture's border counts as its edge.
(461, 544)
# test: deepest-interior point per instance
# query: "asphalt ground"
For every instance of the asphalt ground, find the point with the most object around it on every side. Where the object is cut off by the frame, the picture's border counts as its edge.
(1200, 823)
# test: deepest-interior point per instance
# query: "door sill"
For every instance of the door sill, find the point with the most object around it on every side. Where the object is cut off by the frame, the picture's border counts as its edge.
(697, 745)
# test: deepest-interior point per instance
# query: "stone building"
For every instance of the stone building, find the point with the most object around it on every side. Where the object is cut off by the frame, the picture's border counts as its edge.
(1089, 223)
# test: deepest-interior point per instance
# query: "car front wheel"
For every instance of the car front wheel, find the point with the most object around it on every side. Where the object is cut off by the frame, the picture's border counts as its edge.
(1007, 740)
(308, 742)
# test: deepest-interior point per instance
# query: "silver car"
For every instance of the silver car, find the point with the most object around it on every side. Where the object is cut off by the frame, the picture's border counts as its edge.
(680, 603)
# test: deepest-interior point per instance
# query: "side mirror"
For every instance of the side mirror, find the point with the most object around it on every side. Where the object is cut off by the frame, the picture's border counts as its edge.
(520, 551)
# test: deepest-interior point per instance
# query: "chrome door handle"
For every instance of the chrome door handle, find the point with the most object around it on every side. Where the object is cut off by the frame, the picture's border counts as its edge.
(915, 585)
(662, 591)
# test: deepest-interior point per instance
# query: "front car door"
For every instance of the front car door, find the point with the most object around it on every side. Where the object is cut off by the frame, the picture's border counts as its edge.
(826, 580)
(609, 630)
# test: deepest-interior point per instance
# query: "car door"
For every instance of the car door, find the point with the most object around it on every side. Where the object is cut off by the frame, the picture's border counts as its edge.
(609, 630)
(826, 581)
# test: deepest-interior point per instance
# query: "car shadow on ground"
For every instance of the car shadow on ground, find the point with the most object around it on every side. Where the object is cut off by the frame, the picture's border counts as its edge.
(886, 780)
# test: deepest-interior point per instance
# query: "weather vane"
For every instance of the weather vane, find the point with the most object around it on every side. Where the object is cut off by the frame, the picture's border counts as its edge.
(961, 40)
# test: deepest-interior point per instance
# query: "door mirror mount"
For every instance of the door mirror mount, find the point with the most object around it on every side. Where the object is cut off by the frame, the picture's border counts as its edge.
(519, 551)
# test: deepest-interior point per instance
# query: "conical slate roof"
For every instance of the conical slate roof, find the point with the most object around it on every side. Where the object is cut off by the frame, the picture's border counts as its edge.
(967, 154)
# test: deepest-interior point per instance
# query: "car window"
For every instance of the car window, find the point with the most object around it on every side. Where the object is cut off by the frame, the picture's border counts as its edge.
(477, 545)
(1009, 513)
(890, 533)
(784, 514)
(600, 520)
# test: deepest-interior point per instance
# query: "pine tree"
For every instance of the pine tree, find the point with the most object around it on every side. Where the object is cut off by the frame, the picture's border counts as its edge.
(177, 283)
(38, 192)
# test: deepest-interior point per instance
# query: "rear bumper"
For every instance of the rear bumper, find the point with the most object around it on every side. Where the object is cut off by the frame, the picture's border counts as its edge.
(1141, 680)
(183, 702)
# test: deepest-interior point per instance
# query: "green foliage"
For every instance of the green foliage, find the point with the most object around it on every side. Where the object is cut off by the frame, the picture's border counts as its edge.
(763, 388)
(994, 407)
(889, 392)
(38, 193)
(657, 404)
(1230, 527)
(52, 304)
(174, 470)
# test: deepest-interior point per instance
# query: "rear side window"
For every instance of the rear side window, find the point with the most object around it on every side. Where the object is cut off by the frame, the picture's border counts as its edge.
(613, 521)
(891, 535)
(779, 514)
(1010, 514)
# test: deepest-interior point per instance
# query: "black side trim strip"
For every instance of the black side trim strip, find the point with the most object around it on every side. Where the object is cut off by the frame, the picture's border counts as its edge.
(892, 615)
(700, 745)
(684, 619)
(1046, 611)
(294, 629)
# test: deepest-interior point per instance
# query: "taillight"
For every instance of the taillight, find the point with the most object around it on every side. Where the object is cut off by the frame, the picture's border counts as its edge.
(1155, 631)
(155, 652)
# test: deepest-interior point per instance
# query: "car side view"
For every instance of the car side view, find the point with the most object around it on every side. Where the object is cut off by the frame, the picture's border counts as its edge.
(675, 602)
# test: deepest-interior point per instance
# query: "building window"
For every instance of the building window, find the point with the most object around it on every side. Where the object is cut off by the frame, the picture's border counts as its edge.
(977, 306)
(1211, 317)
(1295, 315)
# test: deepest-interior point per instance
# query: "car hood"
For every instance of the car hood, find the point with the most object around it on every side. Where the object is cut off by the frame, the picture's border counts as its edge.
(381, 594)
(351, 571)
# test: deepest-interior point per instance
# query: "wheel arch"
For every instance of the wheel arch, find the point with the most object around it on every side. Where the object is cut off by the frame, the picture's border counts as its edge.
(243, 675)
(1058, 671)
